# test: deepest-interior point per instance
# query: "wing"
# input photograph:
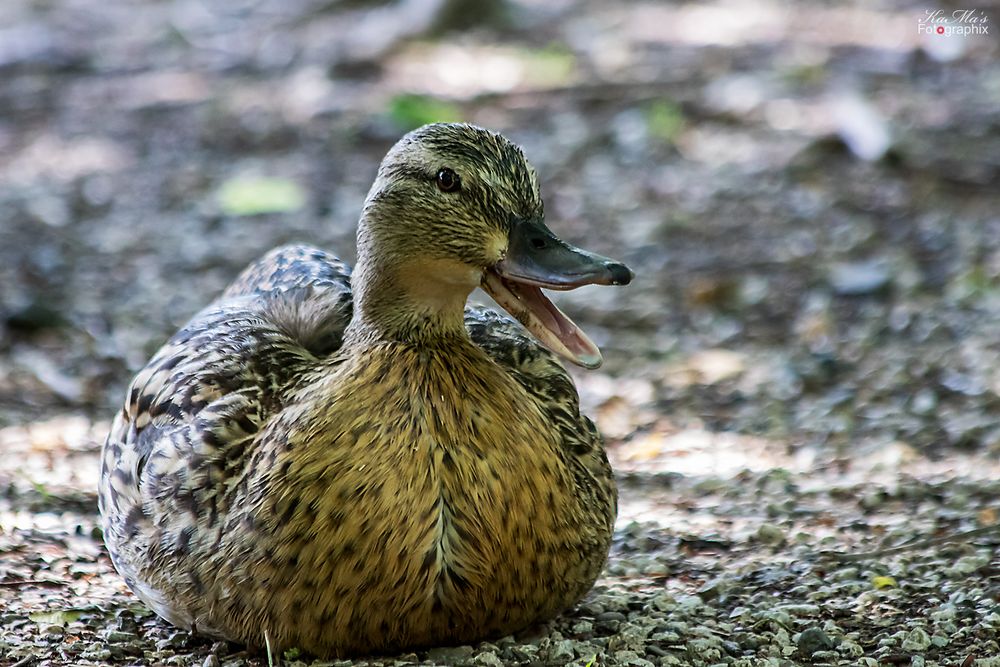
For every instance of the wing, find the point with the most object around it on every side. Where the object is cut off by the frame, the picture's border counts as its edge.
(305, 290)
(186, 431)
(539, 371)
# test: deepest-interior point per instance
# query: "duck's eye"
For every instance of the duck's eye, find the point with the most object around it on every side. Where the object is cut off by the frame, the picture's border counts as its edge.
(448, 180)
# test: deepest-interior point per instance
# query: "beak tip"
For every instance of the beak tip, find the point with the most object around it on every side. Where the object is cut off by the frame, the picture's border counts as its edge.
(620, 274)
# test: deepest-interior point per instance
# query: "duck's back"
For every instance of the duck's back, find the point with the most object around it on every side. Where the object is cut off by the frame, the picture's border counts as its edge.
(191, 416)
(259, 480)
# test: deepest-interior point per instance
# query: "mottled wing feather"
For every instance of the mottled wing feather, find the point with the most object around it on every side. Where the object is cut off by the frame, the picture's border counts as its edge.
(531, 364)
(305, 289)
(539, 371)
(192, 412)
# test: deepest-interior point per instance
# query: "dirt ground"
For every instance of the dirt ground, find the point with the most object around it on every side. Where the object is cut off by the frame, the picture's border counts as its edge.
(801, 389)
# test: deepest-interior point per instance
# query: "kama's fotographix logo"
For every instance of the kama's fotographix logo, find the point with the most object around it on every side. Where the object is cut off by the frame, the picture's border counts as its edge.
(958, 22)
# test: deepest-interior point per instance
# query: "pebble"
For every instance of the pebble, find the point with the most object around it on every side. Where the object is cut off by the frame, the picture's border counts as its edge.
(611, 616)
(859, 278)
(632, 659)
(967, 565)
(450, 654)
(97, 654)
(488, 659)
(814, 639)
(768, 533)
(916, 639)
(799, 609)
(118, 637)
(562, 652)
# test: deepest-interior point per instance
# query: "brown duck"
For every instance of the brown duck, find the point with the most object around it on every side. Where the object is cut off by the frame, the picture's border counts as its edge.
(357, 464)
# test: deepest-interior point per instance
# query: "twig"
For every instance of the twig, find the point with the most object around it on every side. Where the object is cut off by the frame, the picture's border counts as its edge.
(35, 582)
(919, 544)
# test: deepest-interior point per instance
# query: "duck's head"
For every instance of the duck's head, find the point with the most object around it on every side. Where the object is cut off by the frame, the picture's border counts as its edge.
(455, 207)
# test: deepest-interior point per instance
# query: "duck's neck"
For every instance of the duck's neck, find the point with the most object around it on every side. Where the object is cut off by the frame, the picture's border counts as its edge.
(413, 301)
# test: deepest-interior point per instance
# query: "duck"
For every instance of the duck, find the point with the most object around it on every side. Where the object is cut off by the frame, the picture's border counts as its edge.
(357, 462)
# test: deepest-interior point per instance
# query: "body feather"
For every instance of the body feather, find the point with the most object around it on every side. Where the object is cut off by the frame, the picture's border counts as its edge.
(264, 477)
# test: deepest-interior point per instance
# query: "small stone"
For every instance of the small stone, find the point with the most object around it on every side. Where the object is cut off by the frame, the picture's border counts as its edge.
(845, 574)
(632, 659)
(705, 648)
(799, 609)
(119, 637)
(616, 603)
(124, 619)
(945, 612)
(176, 640)
(664, 602)
(450, 654)
(53, 630)
(631, 638)
(916, 639)
(853, 649)
(872, 500)
(768, 533)
(967, 565)
(859, 278)
(713, 589)
(97, 654)
(611, 616)
(592, 609)
(488, 659)
(523, 653)
(924, 402)
(812, 640)
(562, 652)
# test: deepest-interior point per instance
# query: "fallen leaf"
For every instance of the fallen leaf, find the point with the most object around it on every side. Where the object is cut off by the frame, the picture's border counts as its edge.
(707, 367)
(55, 617)
(411, 111)
(256, 196)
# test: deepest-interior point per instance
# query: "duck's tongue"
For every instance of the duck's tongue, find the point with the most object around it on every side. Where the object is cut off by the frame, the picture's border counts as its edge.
(536, 258)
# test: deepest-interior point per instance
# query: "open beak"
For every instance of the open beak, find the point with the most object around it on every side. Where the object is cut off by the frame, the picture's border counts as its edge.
(536, 258)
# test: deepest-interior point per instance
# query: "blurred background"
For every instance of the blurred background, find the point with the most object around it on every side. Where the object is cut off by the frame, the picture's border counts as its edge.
(808, 192)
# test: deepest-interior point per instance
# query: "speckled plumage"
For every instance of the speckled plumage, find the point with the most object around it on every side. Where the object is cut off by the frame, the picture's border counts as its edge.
(287, 468)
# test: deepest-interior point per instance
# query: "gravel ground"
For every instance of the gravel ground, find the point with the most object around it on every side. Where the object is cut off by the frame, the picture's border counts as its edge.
(801, 390)
(771, 566)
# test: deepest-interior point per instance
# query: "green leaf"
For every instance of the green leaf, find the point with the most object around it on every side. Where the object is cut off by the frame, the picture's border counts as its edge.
(553, 65)
(883, 582)
(55, 617)
(411, 111)
(665, 120)
(256, 196)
